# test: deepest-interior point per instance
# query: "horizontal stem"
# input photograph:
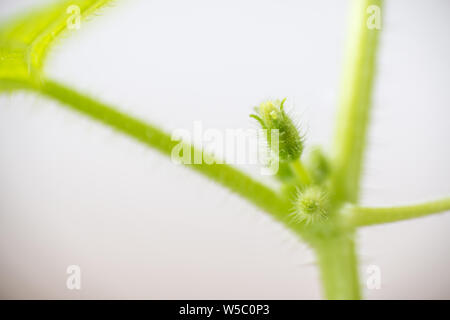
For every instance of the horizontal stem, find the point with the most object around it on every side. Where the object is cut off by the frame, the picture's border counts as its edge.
(363, 216)
(235, 180)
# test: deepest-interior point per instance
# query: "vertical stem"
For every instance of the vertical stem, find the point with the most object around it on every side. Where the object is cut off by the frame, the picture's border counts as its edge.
(355, 100)
(336, 254)
(338, 267)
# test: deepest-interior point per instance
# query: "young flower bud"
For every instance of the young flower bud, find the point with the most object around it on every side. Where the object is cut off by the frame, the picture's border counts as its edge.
(318, 166)
(271, 115)
(311, 205)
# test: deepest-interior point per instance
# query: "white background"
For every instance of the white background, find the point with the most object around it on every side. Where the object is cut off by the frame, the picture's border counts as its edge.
(75, 192)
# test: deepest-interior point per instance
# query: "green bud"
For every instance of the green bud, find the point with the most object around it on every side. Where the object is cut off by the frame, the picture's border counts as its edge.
(318, 166)
(311, 205)
(271, 115)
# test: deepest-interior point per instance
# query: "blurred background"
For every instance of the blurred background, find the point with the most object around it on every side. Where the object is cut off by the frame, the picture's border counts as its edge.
(74, 192)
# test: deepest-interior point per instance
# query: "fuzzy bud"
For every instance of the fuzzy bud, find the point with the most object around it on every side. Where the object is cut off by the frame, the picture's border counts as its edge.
(271, 115)
(311, 205)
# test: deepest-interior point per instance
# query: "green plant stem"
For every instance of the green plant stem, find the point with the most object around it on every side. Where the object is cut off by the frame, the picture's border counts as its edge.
(363, 216)
(238, 182)
(337, 256)
(338, 267)
(300, 171)
(355, 101)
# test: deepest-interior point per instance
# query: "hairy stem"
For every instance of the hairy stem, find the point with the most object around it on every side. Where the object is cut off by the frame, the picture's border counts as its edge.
(336, 256)
(363, 216)
(238, 182)
(338, 267)
(356, 94)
